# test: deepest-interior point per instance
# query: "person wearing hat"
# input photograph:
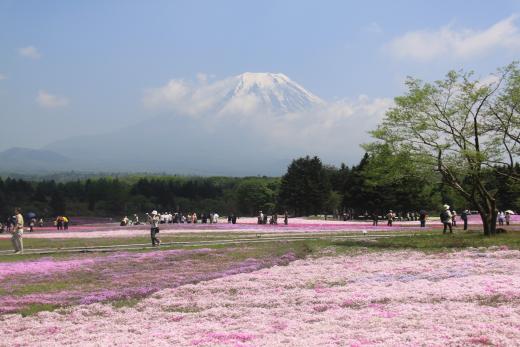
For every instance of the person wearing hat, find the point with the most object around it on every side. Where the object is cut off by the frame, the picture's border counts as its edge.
(17, 232)
(154, 219)
(446, 219)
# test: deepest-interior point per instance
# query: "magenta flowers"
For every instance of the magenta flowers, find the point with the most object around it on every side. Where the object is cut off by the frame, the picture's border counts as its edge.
(371, 299)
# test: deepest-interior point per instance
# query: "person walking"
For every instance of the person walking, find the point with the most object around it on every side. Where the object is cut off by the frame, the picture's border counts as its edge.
(17, 232)
(446, 219)
(422, 218)
(154, 219)
(454, 218)
(501, 218)
(508, 217)
(375, 218)
(390, 218)
(286, 218)
(464, 216)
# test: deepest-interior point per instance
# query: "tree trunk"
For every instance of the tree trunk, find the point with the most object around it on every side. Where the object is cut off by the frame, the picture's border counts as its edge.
(489, 220)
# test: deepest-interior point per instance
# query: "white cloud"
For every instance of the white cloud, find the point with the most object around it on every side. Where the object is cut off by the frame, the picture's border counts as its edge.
(47, 100)
(29, 52)
(3, 77)
(426, 45)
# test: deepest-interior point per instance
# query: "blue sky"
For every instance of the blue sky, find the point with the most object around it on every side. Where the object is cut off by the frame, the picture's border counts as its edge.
(81, 67)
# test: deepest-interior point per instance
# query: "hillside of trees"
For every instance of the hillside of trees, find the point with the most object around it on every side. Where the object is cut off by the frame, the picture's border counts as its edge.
(308, 188)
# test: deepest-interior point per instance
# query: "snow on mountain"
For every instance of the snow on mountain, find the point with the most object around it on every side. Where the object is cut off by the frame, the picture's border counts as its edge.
(275, 91)
(240, 95)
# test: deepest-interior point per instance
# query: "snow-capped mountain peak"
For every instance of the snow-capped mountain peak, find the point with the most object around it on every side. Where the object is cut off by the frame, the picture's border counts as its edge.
(244, 94)
(274, 91)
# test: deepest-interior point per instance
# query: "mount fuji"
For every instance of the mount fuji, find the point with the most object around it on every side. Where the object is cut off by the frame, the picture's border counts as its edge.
(245, 93)
(249, 124)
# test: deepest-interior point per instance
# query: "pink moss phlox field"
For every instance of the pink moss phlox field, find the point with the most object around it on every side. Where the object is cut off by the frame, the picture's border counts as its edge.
(120, 276)
(400, 298)
(245, 225)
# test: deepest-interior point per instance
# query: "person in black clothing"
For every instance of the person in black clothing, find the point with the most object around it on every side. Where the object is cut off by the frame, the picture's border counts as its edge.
(375, 218)
(422, 218)
(233, 219)
(464, 217)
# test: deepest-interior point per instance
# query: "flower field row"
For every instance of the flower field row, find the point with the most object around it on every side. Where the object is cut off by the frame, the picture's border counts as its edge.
(400, 298)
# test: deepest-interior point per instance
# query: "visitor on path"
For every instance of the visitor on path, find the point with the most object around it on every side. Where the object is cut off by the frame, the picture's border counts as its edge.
(464, 217)
(501, 218)
(454, 218)
(422, 218)
(124, 221)
(286, 218)
(9, 224)
(40, 222)
(260, 217)
(508, 217)
(17, 233)
(375, 218)
(446, 219)
(215, 218)
(32, 224)
(65, 223)
(59, 223)
(233, 219)
(390, 218)
(154, 219)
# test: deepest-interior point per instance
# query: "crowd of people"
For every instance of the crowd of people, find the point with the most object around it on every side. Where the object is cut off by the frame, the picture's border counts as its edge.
(273, 219)
(180, 218)
(448, 217)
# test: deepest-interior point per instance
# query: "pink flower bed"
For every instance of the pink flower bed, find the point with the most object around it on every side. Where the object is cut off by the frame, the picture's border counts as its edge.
(245, 225)
(373, 299)
(117, 276)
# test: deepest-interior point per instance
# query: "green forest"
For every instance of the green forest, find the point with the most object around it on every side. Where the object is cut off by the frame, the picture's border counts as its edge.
(307, 188)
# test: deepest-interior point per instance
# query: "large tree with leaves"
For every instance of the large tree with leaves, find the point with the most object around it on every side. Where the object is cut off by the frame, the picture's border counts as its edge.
(305, 188)
(460, 128)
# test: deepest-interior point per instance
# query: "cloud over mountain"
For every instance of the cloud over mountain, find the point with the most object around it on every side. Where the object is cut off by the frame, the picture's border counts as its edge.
(291, 118)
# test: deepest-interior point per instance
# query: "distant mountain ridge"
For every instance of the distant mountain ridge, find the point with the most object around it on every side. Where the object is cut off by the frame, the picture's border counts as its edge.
(18, 159)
